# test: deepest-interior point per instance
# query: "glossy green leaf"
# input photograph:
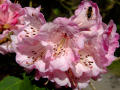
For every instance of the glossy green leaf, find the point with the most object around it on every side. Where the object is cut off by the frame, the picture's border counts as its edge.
(10, 83)
(14, 83)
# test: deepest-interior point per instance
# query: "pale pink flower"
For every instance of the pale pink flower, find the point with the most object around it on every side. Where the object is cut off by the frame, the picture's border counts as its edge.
(100, 43)
(87, 15)
(57, 76)
(107, 42)
(97, 54)
(65, 54)
(60, 38)
(33, 17)
(61, 47)
(28, 49)
(68, 52)
(32, 21)
(51, 43)
(52, 50)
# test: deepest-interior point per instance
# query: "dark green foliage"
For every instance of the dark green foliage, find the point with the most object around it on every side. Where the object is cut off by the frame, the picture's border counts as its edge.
(14, 83)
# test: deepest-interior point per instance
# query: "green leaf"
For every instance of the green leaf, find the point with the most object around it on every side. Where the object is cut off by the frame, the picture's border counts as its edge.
(37, 88)
(26, 84)
(118, 28)
(10, 83)
(14, 83)
(115, 68)
(56, 11)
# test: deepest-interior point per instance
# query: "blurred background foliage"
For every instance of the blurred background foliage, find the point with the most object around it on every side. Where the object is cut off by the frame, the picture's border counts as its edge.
(109, 9)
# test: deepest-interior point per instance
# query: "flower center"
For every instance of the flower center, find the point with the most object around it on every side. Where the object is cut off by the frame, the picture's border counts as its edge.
(59, 49)
(86, 59)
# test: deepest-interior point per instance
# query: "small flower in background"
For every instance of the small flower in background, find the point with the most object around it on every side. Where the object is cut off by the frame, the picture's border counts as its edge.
(9, 24)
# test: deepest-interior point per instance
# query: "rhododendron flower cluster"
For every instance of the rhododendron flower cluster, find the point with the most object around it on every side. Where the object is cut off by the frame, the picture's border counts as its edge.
(67, 51)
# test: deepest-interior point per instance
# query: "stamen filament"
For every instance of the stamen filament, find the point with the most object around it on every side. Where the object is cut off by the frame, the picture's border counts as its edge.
(60, 45)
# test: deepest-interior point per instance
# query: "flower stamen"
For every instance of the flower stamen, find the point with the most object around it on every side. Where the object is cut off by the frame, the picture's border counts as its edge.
(6, 38)
(59, 47)
(6, 26)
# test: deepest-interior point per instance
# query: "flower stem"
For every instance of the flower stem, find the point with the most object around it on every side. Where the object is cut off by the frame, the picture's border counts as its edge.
(30, 3)
(92, 86)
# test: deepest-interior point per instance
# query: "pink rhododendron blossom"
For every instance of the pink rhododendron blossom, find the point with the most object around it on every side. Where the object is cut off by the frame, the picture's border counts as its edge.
(62, 39)
(9, 24)
(109, 41)
(98, 49)
(33, 17)
(32, 21)
(98, 52)
(55, 48)
(58, 77)
(9, 16)
(68, 52)
(29, 47)
(52, 45)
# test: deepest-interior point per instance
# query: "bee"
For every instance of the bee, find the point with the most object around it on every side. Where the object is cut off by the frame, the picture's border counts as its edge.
(6, 38)
(89, 12)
